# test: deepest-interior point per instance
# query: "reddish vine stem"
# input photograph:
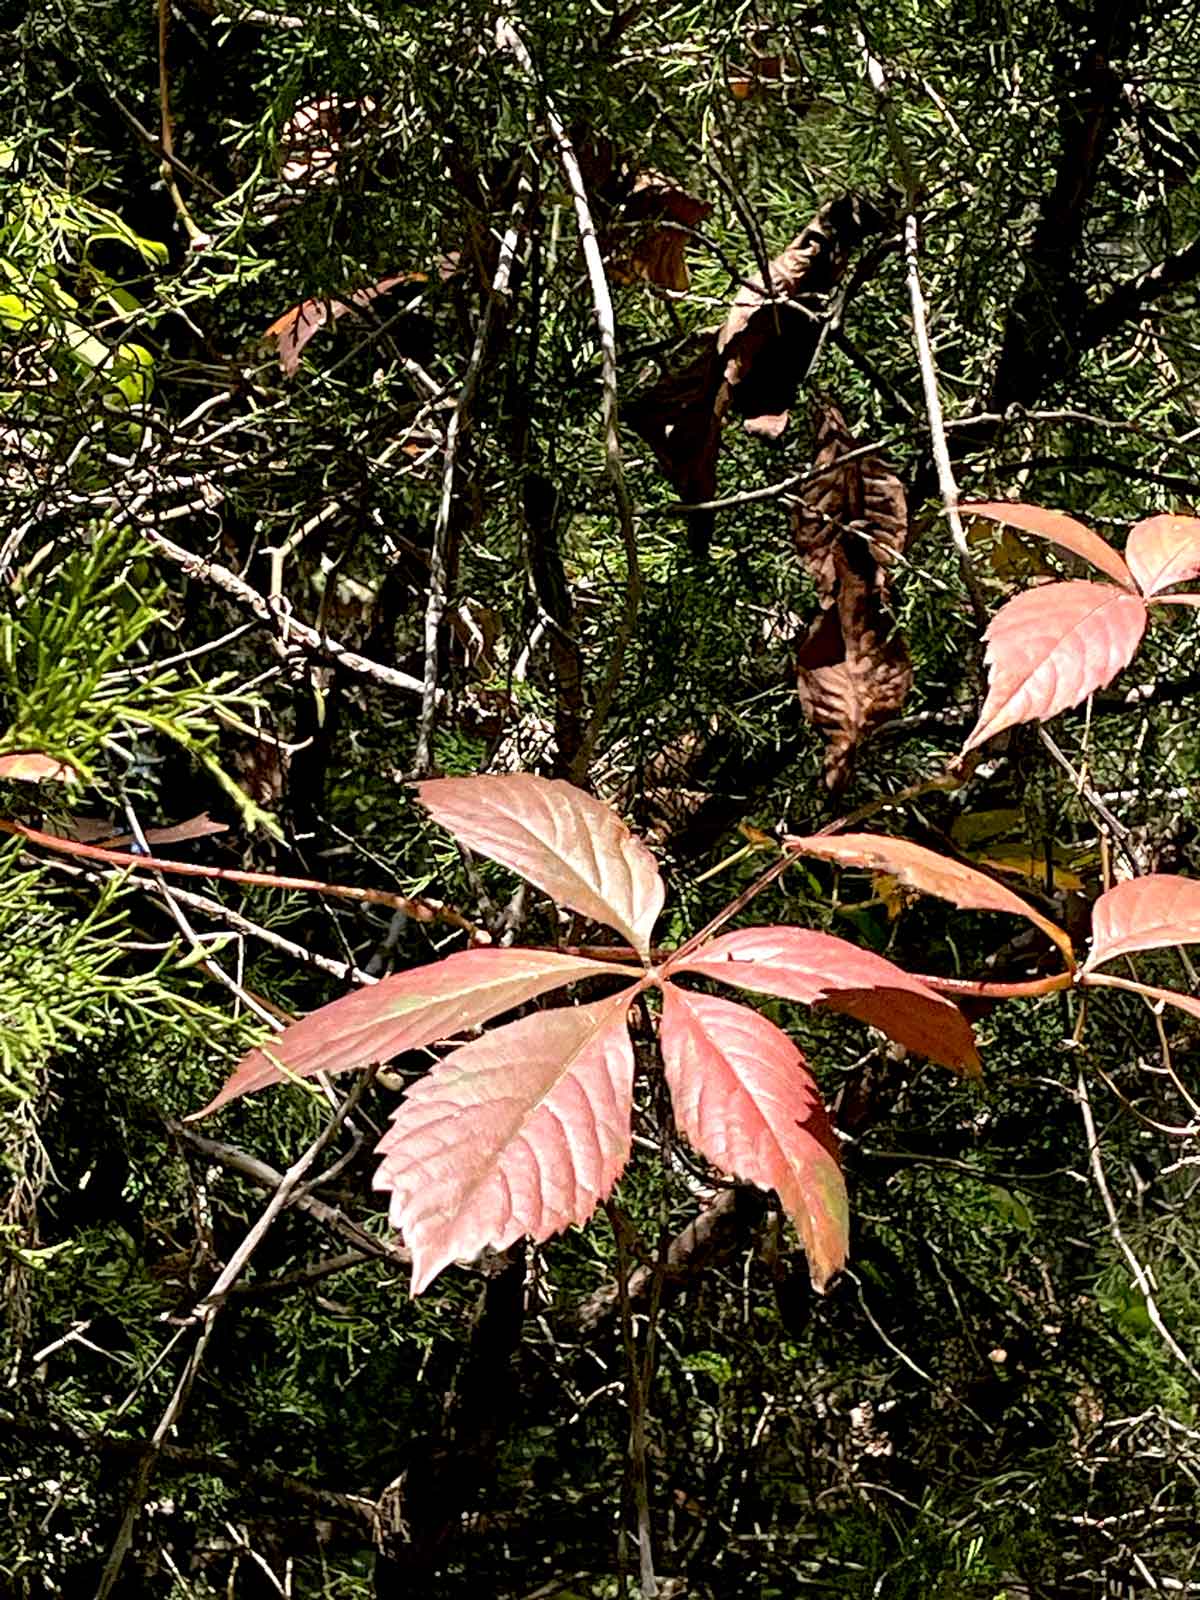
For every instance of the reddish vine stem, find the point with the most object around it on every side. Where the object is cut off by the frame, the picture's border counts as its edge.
(418, 910)
(982, 989)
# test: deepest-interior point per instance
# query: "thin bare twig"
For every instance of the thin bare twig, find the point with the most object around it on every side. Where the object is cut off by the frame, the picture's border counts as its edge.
(773, 491)
(298, 633)
(1118, 831)
(439, 564)
(933, 407)
(509, 39)
(267, 1177)
(1141, 1275)
(207, 1310)
(933, 401)
(635, 1397)
(197, 239)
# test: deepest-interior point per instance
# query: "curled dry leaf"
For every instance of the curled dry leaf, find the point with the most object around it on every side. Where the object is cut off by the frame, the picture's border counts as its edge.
(1145, 913)
(31, 766)
(1163, 551)
(659, 212)
(91, 831)
(518, 1134)
(770, 335)
(929, 872)
(852, 669)
(293, 330)
(568, 844)
(752, 365)
(1058, 528)
(1053, 646)
(406, 1011)
(820, 970)
(678, 419)
(744, 1098)
(644, 216)
(311, 141)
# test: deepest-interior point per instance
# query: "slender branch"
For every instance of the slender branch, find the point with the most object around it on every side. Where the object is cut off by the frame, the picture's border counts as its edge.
(994, 421)
(196, 238)
(933, 407)
(509, 39)
(1118, 831)
(878, 78)
(1132, 297)
(207, 1309)
(635, 1397)
(771, 491)
(985, 989)
(298, 633)
(175, 1458)
(1141, 1275)
(267, 1177)
(439, 564)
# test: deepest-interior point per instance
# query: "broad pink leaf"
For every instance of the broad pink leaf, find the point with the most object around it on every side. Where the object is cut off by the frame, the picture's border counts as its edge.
(569, 844)
(1059, 529)
(519, 1133)
(1103, 980)
(744, 1098)
(1144, 914)
(30, 766)
(820, 970)
(1053, 646)
(1162, 551)
(929, 872)
(408, 1010)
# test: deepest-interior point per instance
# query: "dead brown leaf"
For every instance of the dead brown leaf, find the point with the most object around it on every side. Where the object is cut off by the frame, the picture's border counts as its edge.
(93, 830)
(296, 326)
(310, 142)
(753, 364)
(642, 216)
(759, 74)
(852, 669)
(660, 212)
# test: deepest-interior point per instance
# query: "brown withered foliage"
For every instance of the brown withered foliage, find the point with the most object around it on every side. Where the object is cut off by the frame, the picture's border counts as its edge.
(312, 139)
(299, 323)
(658, 212)
(852, 668)
(643, 217)
(754, 363)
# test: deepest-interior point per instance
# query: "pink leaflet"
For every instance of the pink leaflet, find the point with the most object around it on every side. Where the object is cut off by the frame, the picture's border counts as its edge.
(408, 1010)
(518, 1134)
(1144, 914)
(819, 969)
(1059, 529)
(569, 844)
(929, 872)
(1162, 551)
(744, 1098)
(1053, 646)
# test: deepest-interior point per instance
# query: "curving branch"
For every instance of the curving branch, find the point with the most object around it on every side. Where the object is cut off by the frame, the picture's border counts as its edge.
(1129, 299)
